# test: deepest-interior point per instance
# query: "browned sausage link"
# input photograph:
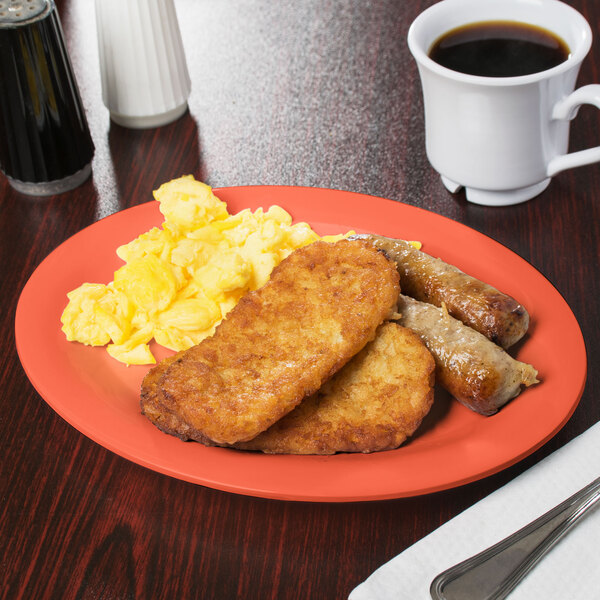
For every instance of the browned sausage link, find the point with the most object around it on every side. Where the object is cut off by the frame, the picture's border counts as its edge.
(477, 372)
(494, 314)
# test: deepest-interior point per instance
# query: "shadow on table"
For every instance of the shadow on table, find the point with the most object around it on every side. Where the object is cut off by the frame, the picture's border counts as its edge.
(143, 159)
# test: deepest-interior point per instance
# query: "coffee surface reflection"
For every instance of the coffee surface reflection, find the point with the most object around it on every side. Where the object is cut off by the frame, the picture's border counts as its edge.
(499, 49)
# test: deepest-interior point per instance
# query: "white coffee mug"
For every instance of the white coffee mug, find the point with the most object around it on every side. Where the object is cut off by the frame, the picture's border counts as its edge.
(502, 138)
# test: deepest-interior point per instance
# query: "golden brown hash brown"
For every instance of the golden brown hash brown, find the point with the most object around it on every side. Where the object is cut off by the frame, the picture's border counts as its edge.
(320, 307)
(374, 403)
(166, 420)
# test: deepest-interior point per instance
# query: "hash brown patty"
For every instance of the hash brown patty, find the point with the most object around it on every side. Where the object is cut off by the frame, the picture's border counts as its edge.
(152, 408)
(280, 343)
(374, 403)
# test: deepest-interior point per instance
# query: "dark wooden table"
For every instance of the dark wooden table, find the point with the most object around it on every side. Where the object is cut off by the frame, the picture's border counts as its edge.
(300, 92)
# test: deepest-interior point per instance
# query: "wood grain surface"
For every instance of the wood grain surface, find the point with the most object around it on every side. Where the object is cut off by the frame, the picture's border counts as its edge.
(298, 92)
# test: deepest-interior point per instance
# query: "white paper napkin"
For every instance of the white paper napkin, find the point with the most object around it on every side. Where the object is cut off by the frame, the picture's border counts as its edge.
(570, 571)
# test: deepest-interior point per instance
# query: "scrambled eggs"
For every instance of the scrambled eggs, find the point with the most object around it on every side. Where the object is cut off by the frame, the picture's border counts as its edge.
(180, 280)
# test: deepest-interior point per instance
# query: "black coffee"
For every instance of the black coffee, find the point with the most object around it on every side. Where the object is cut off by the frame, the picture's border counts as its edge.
(499, 49)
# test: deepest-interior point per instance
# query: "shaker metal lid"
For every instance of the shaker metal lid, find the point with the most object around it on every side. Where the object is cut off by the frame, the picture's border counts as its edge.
(16, 13)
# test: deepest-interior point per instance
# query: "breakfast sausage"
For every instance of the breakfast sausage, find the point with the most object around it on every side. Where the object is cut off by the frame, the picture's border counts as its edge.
(494, 314)
(477, 372)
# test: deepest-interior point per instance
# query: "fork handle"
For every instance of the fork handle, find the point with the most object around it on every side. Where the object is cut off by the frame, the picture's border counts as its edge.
(494, 573)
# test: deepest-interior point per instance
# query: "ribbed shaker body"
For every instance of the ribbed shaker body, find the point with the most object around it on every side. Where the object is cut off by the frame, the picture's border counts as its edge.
(145, 79)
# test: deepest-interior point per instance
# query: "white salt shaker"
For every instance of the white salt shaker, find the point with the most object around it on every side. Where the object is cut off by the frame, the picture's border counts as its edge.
(145, 80)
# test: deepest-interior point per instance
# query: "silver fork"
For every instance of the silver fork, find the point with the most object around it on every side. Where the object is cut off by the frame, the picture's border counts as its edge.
(494, 573)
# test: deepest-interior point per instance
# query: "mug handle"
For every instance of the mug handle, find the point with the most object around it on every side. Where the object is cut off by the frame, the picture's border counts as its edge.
(566, 109)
